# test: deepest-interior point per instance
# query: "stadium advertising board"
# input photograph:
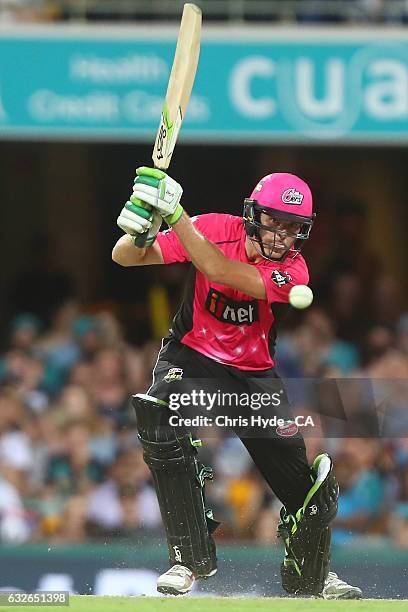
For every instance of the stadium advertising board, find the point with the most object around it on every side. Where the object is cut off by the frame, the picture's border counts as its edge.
(254, 85)
(132, 569)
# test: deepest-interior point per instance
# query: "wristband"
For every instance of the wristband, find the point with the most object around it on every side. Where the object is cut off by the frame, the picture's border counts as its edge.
(173, 218)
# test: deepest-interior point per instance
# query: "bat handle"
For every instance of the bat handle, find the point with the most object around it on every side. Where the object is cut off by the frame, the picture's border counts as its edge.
(140, 240)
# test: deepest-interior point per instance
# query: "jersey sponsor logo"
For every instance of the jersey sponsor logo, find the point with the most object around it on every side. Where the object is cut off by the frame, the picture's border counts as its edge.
(287, 430)
(225, 309)
(292, 196)
(173, 374)
(280, 278)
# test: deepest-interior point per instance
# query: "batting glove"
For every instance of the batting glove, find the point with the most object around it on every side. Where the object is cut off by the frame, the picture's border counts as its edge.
(135, 219)
(159, 191)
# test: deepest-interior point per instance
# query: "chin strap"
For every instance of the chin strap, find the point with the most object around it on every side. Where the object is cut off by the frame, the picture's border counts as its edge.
(259, 248)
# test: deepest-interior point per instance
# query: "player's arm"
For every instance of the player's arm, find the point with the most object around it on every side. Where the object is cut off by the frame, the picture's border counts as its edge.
(125, 253)
(212, 262)
(162, 193)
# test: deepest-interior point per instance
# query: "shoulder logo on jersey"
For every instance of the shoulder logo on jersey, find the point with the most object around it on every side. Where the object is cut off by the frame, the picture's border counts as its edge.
(292, 196)
(173, 374)
(280, 278)
(223, 308)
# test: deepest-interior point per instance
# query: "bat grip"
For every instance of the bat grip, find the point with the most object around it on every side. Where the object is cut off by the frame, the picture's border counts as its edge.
(140, 240)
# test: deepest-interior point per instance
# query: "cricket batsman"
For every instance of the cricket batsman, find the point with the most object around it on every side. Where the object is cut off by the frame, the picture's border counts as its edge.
(225, 330)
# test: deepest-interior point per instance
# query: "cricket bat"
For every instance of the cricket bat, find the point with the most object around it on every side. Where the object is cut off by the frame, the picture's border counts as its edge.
(179, 89)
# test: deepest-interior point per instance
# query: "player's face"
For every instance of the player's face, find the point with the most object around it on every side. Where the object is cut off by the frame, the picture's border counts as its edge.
(279, 236)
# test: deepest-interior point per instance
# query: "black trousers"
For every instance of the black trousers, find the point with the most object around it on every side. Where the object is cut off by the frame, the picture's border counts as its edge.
(281, 459)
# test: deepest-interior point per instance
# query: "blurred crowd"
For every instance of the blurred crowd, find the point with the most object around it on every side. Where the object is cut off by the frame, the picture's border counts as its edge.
(300, 11)
(71, 466)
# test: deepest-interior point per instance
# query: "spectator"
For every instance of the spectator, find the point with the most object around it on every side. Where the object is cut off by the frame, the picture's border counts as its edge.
(88, 335)
(29, 10)
(24, 330)
(74, 471)
(14, 524)
(318, 348)
(109, 388)
(361, 495)
(317, 11)
(24, 372)
(399, 517)
(126, 502)
(58, 347)
(402, 334)
(372, 10)
(71, 468)
(387, 301)
(72, 527)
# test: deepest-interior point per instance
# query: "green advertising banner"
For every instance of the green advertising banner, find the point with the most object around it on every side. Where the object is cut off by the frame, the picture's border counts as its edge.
(243, 570)
(253, 85)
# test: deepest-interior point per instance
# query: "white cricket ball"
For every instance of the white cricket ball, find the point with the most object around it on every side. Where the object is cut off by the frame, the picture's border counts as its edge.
(300, 296)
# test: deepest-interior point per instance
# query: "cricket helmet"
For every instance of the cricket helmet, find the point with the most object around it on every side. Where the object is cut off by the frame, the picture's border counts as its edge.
(284, 197)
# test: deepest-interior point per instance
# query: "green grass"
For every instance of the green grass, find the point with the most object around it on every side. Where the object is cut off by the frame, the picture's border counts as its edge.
(87, 603)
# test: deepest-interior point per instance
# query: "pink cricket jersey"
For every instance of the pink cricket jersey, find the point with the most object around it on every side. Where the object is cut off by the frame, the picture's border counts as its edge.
(224, 324)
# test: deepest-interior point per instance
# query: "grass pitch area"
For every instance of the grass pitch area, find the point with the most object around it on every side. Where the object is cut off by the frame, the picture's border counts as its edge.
(87, 603)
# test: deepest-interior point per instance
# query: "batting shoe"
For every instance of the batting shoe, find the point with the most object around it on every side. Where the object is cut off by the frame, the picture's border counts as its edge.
(335, 588)
(178, 580)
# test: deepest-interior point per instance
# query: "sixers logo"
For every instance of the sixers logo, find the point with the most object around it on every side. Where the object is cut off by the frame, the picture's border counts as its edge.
(292, 196)
(287, 430)
(281, 278)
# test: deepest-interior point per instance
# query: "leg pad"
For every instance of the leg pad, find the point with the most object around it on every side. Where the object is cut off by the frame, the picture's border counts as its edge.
(179, 480)
(307, 534)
